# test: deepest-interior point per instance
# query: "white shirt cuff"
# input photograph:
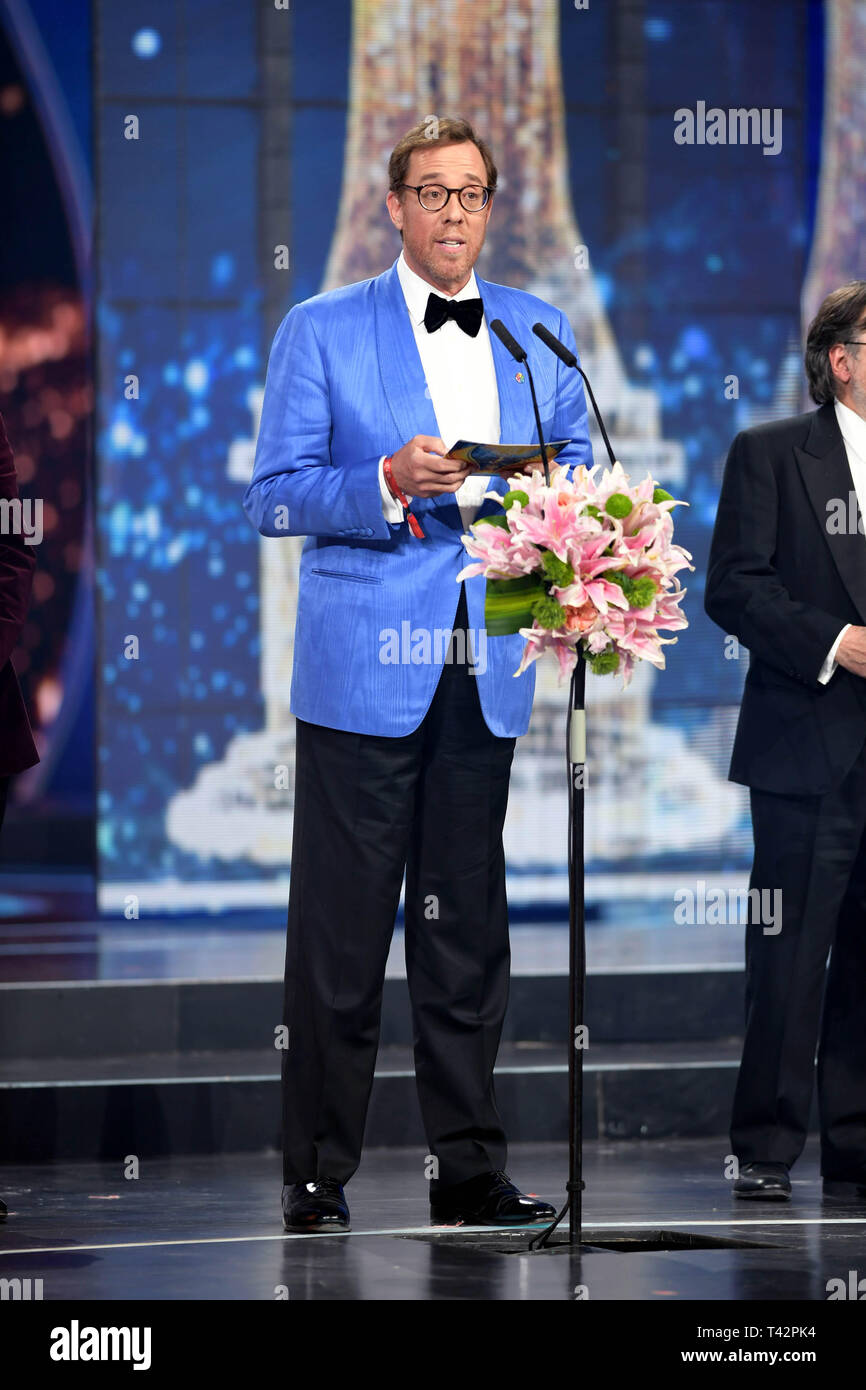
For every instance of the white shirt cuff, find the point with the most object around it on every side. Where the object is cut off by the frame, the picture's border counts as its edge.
(830, 661)
(392, 510)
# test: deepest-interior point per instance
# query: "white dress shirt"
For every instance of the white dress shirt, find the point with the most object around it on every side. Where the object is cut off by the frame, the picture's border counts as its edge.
(461, 381)
(853, 428)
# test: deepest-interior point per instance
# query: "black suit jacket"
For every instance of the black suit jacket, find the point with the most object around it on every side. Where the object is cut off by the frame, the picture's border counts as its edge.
(784, 584)
(17, 563)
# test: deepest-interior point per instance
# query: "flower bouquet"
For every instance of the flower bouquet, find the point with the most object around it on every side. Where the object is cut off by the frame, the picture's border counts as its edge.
(583, 563)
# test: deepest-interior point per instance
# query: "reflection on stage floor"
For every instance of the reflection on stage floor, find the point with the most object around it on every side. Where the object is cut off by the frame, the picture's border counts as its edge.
(210, 1228)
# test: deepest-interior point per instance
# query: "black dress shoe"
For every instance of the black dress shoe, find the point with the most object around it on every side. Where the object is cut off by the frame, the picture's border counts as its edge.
(315, 1206)
(767, 1181)
(845, 1192)
(488, 1200)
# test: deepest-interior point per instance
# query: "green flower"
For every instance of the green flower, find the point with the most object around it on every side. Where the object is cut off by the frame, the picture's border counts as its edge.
(547, 611)
(618, 505)
(603, 663)
(516, 495)
(592, 510)
(498, 520)
(559, 572)
(640, 592)
(659, 495)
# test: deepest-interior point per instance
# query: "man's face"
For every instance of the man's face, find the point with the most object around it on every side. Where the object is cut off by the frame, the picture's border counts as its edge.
(849, 368)
(429, 237)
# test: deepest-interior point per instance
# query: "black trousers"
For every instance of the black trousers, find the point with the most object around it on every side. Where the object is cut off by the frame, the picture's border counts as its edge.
(4, 794)
(814, 850)
(366, 808)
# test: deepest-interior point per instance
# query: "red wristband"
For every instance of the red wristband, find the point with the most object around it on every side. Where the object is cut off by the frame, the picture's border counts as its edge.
(394, 489)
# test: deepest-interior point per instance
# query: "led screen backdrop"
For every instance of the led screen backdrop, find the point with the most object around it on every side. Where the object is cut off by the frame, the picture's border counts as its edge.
(242, 155)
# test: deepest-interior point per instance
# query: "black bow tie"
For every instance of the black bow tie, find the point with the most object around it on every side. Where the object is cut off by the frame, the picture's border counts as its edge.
(467, 312)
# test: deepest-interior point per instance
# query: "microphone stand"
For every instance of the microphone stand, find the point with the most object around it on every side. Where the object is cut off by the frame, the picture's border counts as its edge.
(576, 765)
(519, 355)
(576, 761)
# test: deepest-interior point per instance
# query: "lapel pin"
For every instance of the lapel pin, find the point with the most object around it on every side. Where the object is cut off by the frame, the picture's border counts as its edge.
(518, 376)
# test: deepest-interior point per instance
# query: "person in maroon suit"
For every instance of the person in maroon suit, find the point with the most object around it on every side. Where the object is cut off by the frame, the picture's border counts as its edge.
(17, 563)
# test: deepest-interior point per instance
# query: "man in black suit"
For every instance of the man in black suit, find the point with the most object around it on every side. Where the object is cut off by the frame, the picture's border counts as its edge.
(787, 576)
(17, 562)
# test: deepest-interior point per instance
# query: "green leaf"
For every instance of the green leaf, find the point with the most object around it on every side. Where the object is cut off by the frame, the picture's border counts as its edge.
(508, 603)
(498, 520)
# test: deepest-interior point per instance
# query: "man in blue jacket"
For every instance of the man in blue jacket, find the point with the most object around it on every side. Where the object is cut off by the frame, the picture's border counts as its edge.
(406, 714)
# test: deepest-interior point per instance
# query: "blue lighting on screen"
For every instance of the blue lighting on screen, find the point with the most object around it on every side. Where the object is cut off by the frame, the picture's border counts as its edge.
(695, 342)
(657, 29)
(222, 269)
(196, 378)
(146, 43)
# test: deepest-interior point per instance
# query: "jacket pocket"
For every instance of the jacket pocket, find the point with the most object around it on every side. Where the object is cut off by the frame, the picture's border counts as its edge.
(345, 574)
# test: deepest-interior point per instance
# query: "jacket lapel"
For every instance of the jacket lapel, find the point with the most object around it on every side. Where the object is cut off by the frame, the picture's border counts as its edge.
(514, 397)
(823, 464)
(402, 375)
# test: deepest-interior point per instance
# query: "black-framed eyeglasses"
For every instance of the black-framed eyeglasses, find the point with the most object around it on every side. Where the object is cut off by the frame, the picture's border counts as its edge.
(853, 342)
(433, 197)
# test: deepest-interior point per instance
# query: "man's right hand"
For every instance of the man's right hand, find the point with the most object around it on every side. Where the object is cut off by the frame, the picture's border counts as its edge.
(851, 652)
(421, 470)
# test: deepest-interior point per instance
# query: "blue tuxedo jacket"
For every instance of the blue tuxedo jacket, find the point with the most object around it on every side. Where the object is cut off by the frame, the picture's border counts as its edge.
(344, 386)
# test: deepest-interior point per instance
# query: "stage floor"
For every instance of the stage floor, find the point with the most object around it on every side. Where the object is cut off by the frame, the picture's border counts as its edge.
(210, 1228)
(245, 947)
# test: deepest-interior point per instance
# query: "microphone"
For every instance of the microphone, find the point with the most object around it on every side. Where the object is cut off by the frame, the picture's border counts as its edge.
(519, 355)
(567, 356)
